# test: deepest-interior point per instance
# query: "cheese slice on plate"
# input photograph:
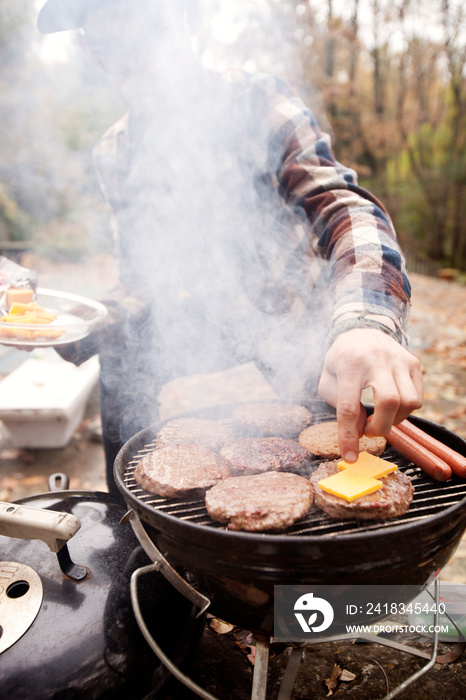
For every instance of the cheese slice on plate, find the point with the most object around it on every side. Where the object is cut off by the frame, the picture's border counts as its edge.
(22, 295)
(349, 486)
(368, 465)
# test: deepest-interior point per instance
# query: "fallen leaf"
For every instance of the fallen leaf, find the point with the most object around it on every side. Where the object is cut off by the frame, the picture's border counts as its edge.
(246, 642)
(244, 639)
(332, 682)
(347, 676)
(220, 626)
(252, 655)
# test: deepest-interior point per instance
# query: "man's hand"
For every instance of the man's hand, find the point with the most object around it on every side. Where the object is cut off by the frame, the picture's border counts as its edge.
(366, 357)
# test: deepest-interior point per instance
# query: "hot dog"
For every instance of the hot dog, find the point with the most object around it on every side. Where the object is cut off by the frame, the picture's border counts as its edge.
(419, 455)
(456, 461)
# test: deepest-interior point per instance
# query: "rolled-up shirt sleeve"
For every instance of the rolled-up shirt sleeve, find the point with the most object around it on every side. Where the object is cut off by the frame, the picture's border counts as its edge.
(350, 227)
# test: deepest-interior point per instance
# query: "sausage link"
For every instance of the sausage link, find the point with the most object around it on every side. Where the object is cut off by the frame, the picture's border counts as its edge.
(419, 455)
(456, 461)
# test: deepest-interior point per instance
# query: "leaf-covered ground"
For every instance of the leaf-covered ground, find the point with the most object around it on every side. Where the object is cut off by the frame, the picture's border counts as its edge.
(438, 339)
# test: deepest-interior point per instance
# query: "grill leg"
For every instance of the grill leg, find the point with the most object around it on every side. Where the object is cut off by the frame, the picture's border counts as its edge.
(291, 671)
(261, 666)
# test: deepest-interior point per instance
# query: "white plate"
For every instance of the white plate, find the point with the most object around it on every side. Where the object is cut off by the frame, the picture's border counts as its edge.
(76, 317)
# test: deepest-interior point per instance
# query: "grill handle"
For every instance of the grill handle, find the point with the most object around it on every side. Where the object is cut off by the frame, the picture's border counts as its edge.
(53, 528)
(58, 482)
(182, 586)
(26, 523)
(174, 670)
(201, 601)
(259, 685)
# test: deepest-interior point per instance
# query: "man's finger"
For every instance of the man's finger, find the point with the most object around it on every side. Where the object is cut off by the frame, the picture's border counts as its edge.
(351, 417)
(411, 391)
(387, 402)
(328, 389)
(345, 394)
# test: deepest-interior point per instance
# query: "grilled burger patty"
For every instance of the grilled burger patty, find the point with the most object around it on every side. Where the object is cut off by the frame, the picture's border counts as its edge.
(272, 419)
(322, 441)
(255, 455)
(392, 500)
(175, 470)
(269, 501)
(201, 431)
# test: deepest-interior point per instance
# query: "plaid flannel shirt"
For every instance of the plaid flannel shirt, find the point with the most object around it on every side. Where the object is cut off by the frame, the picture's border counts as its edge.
(339, 238)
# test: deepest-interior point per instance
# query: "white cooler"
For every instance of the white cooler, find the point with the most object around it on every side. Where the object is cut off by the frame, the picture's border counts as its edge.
(42, 402)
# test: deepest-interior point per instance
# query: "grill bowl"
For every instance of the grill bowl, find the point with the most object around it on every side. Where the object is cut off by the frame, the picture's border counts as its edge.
(238, 570)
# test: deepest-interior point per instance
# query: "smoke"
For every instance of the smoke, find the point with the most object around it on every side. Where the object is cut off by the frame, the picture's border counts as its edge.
(255, 35)
(221, 267)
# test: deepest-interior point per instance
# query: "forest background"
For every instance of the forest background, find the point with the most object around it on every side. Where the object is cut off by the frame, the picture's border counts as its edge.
(385, 77)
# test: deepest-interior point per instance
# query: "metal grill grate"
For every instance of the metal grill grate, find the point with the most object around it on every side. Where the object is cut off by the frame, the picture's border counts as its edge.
(430, 498)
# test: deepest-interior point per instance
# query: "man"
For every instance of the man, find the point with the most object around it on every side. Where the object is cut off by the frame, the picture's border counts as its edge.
(240, 235)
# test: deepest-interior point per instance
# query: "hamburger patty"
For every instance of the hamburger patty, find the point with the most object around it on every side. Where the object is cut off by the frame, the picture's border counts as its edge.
(200, 431)
(255, 455)
(391, 500)
(272, 419)
(269, 501)
(175, 470)
(322, 441)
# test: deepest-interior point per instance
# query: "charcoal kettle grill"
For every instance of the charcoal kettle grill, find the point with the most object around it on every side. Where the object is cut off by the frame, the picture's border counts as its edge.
(67, 628)
(233, 574)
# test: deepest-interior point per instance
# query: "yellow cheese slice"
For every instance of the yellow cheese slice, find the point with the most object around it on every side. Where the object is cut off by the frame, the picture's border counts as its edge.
(369, 465)
(23, 295)
(349, 486)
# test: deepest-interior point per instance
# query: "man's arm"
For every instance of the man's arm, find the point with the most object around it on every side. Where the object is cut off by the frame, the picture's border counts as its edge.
(369, 284)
